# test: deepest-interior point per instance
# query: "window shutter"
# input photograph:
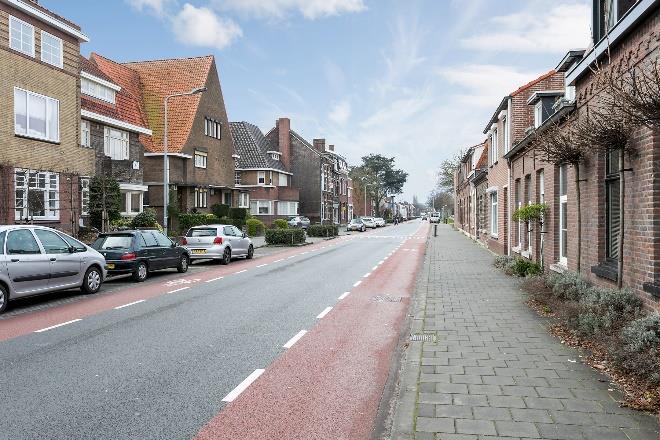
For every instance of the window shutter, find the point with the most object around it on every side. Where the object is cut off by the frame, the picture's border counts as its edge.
(614, 215)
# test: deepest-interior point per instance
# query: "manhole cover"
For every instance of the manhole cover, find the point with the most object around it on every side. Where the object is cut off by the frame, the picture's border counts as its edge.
(387, 298)
(423, 337)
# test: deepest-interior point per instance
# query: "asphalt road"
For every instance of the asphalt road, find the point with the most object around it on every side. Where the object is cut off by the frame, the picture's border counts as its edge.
(160, 368)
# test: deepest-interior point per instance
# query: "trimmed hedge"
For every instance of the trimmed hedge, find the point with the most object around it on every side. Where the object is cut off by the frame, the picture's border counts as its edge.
(187, 221)
(255, 227)
(238, 213)
(285, 236)
(280, 223)
(220, 210)
(318, 230)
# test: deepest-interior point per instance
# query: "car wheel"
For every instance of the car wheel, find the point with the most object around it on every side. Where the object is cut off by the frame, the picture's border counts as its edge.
(4, 298)
(226, 256)
(182, 267)
(92, 281)
(250, 253)
(141, 272)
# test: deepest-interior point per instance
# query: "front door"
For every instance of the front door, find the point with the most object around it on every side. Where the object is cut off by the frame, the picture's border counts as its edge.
(27, 265)
(64, 265)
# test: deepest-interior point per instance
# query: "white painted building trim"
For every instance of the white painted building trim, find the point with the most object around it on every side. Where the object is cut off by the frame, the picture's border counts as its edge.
(39, 14)
(86, 114)
(101, 81)
(183, 155)
(133, 187)
(492, 189)
(264, 169)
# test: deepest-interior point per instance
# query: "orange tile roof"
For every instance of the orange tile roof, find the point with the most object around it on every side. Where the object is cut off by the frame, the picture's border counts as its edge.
(531, 83)
(128, 105)
(483, 159)
(160, 78)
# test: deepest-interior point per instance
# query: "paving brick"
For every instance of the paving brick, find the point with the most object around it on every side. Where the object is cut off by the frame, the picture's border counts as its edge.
(452, 388)
(543, 403)
(491, 413)
(556, 431)
(469, 400)
(531, 415)
(602, 433)
(556, 393)
(426, 410)
(437, 398)
(506, 401)
(517, 429)
(435, 424)
(498, 380)
(484, 389)
(516, 390)
(466, 379)
(454, 411)
(571, 417)
(466, 426)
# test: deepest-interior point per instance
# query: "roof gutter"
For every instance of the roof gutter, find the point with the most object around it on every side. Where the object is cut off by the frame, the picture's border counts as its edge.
(41, 15)
(496, 115)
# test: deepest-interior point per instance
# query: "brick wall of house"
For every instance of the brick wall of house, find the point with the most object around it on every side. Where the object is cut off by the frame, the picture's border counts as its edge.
(121, 170)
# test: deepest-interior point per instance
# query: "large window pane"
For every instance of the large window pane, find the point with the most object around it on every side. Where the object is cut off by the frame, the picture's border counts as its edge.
(53, 120)
(20, 111)
(37, 117)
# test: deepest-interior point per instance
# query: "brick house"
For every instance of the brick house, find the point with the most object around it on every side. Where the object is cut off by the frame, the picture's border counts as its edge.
(465, 208)
(200, 148)
(40, 117)
(263, 174)
(507, 127)
(481, 199)
(114, 126)
(626, 35)
(336, 201)
(359, 207)
(312, 167)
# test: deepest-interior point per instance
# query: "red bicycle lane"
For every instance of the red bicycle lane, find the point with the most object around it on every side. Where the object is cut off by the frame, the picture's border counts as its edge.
(329, 384)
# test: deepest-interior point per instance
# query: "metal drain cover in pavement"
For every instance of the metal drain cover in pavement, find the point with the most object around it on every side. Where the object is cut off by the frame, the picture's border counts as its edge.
(387, 298)
(423, 337)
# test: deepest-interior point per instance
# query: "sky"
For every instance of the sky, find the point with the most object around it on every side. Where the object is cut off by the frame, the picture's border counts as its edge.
(417, 80)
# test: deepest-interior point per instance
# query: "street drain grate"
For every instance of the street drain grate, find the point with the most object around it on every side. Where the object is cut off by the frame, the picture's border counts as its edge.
(422, 337)
(387, 298)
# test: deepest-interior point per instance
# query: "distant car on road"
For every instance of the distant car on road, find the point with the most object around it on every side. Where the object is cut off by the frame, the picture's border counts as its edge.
(356, 225)
(425, 216)
(435, 217)
(299, 222)
(36, 260)
(140, 252)
(217, 242)
(380, 222)
(369, 222)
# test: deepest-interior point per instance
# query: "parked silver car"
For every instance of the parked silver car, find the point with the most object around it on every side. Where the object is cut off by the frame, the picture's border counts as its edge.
(217, 242)
(356, 225)
(36, 260)
(298, 222)
(369, 222)
(380, 222)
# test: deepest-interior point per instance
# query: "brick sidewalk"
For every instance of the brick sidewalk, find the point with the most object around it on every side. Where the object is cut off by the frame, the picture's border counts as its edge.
(495, 372)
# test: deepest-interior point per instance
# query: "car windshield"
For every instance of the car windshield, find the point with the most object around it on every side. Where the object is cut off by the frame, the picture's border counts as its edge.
(110, 242)
(202, 232)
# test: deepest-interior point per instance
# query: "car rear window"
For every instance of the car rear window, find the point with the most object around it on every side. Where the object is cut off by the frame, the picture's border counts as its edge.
(202, 232)
(110, 242)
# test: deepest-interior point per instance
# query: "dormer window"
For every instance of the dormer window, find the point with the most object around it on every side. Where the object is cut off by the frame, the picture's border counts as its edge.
(97, 90)
(275, 156)
(538, 114)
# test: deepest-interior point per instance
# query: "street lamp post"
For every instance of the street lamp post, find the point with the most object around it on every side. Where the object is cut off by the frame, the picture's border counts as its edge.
(166, 161)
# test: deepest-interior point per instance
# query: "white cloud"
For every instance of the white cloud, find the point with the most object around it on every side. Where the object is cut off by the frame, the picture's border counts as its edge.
(484, 85)
(156, 6)
(202, 27)
(542, 30)
(341, 112)
(310, 9)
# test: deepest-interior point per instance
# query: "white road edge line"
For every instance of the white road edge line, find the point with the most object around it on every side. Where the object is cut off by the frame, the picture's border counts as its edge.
(375, 267)
(344, 295)
(277, 261)
(240, 271)
(179, 290)
(381, 262)
(263, 265)
(357, 283)
(58, 325)
(129, 304)
(324, 312)
(295, 339)
(292, 256)
(214, 279)
(366, 275)
(243, 385)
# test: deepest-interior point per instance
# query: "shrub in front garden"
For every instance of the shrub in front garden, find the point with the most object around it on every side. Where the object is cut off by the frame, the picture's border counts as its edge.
(639, 352)
(255, 227)
(285, 236)
(318, 230)
(607, 310)
(187, 221)
(569, 285)
(280, 223)
(145, 219)
(220, 210)
(238, 213)
(524, 268)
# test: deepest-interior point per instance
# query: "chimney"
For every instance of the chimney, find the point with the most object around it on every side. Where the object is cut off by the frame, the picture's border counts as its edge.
(319, 145)
(284, 141)
(331, 147)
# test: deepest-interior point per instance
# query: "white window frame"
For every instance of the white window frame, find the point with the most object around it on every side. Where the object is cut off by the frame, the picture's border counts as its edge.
(542, 194)
(85, 134)
(48, 104)
(99, 91)
(287, 208)
(84, 195)
(257, 204)
(283, 180)
(563, 205)
(47, 182)
(244, 200)
(494, 214)
(45, 47)
(201, 197)
(274, 156)
(116, 147)
(13, 22)
(505, 128)
(529, 202)
(237, 177)
(494, 147)
(127, 197)
(538, 114)
(201, 158)
(261, 177)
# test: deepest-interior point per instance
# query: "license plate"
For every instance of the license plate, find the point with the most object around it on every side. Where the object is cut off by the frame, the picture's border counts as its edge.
(199, 251)
(110, 266)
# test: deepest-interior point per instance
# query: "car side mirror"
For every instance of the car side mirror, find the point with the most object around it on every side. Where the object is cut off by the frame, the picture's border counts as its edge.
(72, 250)
(173, 244)
(244, 235)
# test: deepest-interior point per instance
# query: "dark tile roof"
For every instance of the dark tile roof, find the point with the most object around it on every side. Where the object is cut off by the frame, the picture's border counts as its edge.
(252, 146)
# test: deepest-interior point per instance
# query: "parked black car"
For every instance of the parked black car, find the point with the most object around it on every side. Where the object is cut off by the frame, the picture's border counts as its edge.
(140, 252)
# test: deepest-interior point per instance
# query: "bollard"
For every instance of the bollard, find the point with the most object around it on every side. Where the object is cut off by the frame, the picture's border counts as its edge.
(435, 230)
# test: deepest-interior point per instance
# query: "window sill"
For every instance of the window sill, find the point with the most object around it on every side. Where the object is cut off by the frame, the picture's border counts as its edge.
(495, 236)
(607, 270)
(558, 267)
(652, 288)
(32, 138)
(516, 249)
(526, 254)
